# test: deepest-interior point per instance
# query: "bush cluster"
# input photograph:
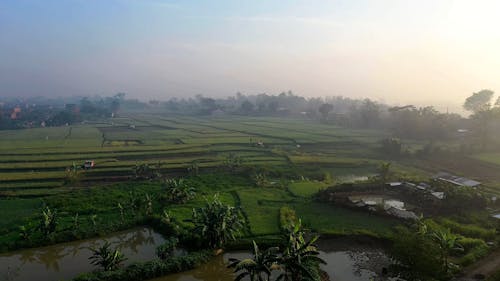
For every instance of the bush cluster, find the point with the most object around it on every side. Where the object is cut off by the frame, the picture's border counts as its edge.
(150, 269)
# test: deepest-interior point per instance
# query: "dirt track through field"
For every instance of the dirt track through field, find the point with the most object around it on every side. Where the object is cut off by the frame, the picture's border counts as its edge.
(486, 266)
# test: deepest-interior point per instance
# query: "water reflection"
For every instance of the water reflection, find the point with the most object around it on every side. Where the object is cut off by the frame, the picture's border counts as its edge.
(66, 260)
(346, 261)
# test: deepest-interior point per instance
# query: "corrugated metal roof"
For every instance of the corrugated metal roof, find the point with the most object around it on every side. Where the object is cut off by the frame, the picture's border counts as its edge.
(456, 179)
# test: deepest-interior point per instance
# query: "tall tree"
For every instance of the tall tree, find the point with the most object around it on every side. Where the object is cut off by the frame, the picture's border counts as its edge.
(48, 221)
(178, 191)
(447, 243)
(480, 101)
(480, 105)
(300, 257)
(325, 109)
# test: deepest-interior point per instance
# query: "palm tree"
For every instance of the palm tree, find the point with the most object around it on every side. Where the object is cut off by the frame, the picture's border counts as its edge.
(178, 191)
(72, 174)
(148, 202)
(447, 243)
(48, 221)
(93, 220)
(106, 257)
(217, 222)
(194, 167)
(259, 267)
(134, 202)
(299, 260)
(24, 232)
(166, 249)
(76, 222)
(233, 161)
(384, 171)
(260, 179)
(142, 171)
(122, 211)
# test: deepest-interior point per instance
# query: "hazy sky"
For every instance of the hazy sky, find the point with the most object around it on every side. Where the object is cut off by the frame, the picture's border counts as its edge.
(391, 50)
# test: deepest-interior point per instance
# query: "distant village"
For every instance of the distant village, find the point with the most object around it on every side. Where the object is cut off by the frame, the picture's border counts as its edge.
(30, 113)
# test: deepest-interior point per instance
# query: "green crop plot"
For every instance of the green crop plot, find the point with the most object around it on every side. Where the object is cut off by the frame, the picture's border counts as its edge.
(306, 188)
(327, 218)
(262, 208)
(42, 155)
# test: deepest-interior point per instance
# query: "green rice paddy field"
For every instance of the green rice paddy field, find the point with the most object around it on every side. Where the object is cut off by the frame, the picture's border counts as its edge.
(33, 161)
(300, 156)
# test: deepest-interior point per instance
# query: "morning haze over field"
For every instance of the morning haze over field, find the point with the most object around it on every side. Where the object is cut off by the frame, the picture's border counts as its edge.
(157, 140)
(399, 52)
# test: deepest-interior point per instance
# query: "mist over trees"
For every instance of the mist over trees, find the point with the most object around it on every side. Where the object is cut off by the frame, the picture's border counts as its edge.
(402, 122)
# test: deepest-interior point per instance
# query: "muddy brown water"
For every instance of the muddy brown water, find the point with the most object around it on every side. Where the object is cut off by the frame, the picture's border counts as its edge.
(346, 260)
(66, 260)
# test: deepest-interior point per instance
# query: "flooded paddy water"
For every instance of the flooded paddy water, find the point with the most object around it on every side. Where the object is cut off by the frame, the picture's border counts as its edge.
(67, 260)
(346, 259)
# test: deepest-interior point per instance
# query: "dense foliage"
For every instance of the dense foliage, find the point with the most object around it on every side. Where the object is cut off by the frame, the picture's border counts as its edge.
(150, 269)
(217, 223)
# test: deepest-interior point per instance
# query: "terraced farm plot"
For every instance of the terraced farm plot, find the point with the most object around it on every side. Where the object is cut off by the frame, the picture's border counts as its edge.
(37, 158)
(262, 207)
(327, 218)
(306, 188)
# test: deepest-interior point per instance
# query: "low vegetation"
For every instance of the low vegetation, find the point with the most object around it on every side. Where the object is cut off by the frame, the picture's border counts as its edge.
(213, 182)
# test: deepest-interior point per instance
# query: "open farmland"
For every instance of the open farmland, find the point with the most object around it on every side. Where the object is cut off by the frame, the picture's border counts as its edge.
(261, 165)
(34, 161)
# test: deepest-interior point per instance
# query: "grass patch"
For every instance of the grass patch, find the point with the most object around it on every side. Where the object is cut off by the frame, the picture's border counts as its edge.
(330, 219)
(306, 188)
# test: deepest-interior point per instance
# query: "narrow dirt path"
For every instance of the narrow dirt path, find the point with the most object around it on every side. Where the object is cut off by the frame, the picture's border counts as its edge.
(486, 266)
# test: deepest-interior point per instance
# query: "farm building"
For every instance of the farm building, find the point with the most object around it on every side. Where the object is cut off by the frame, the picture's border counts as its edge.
(456, 180)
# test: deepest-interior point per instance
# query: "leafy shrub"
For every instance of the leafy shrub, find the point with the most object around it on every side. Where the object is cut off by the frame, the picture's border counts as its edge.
(468, 230)
(150, 269)
(473, 255)
(287, 217)
(471, 243)
(165, 250)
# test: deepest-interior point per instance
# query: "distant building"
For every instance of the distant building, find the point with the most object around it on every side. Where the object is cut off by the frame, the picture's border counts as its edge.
(15, 113)
(456, 180)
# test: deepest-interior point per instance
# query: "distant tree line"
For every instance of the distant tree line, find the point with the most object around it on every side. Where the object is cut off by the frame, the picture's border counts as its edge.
(409, 121)
(40, 112)
(405, 121)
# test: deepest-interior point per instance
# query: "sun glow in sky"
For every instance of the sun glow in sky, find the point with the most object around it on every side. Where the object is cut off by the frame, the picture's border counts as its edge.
(397, 51)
